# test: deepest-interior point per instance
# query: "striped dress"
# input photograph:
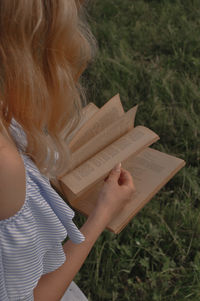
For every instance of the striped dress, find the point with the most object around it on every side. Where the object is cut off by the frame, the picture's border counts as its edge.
(31, 240)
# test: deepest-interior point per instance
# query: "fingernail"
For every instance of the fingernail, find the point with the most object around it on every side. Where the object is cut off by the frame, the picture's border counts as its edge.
(118, 167)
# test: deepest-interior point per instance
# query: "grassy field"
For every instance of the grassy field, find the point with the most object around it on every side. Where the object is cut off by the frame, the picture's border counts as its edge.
(149, 52)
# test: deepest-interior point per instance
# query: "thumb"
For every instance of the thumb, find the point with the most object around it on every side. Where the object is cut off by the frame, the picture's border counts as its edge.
(115, 172)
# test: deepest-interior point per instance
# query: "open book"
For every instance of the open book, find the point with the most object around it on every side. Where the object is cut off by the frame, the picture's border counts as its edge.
(105, 137)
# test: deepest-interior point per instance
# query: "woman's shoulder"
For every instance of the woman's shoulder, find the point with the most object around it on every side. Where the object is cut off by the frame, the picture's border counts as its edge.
(12, 179)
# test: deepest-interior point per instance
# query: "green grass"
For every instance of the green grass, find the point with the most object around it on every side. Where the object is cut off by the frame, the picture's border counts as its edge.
(149, 52)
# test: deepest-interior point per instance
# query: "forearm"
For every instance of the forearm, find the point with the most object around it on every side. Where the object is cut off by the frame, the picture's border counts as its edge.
(53, 285)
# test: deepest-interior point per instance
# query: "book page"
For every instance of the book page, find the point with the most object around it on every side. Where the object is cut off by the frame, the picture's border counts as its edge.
(151, 170)
(88, 111)
(118, 128)
(88, 173)
(106, 115)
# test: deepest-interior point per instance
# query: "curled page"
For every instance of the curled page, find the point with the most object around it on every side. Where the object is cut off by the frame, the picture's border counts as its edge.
(113, 132)
(105, 116)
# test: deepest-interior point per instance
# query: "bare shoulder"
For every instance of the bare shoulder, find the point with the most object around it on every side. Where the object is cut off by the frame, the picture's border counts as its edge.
(12, 179)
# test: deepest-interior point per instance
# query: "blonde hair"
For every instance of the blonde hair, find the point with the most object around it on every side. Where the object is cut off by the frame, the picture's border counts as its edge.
(44, 47)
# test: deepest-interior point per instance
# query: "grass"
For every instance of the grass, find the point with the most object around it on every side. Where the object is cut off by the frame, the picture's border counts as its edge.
(149, 52)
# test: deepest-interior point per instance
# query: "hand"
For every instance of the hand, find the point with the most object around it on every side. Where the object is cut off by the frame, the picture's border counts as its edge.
(115, 193)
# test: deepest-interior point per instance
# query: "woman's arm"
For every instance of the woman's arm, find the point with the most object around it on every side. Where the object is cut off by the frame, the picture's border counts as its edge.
(112, 198)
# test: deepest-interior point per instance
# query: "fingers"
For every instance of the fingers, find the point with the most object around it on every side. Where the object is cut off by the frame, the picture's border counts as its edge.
(114, 174)
(126, 178)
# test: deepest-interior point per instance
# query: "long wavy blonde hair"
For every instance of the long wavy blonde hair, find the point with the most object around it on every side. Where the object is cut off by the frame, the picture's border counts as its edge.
(45, 46)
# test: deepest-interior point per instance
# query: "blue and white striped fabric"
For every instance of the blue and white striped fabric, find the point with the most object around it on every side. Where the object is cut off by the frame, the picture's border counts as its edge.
(31, 240)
